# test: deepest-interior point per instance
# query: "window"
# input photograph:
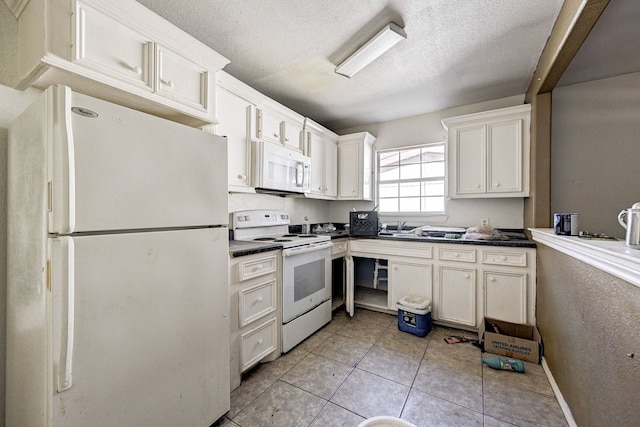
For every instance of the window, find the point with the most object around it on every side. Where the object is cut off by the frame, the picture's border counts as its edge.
(411, 179)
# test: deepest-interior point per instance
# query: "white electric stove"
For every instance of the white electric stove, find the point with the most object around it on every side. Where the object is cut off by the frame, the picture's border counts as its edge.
(306, 271)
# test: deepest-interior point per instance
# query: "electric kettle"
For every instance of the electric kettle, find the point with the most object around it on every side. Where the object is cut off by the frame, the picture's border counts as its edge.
(632, 225)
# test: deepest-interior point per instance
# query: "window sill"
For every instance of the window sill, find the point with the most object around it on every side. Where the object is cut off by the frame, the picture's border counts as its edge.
(613, 257)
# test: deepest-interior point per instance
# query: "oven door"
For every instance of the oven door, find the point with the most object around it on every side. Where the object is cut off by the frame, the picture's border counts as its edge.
(306, 278)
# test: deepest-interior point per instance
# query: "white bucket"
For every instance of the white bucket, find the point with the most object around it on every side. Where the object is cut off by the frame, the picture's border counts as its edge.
(385, 422)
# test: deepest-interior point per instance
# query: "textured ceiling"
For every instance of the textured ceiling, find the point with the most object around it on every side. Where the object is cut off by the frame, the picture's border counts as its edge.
(457, 52)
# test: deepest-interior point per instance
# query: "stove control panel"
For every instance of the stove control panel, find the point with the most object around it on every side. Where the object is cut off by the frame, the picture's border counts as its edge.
(259, 218)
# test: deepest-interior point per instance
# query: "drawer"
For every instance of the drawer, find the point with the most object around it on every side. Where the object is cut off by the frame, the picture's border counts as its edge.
(457, 254)
(339, 247)
(257, 267)
(390, 248)
(257, 301)
(258, 343)
(510, 258)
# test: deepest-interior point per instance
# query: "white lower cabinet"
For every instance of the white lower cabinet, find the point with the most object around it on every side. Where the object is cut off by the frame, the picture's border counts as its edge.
(380, 272)
(505, 295)
(465, 282)
(409, 279)
(457, 295)
(258, 343)
(254, 311)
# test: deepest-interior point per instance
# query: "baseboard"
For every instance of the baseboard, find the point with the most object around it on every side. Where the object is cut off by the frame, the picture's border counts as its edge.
(563, 403)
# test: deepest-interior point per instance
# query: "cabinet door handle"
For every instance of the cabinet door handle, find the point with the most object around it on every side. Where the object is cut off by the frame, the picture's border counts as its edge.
(456, 255)
(492, 279)
(496, 184)
(242, 176)
(137, 70)
(467, 276)
(275, 135)
(167, 83)
(259, 299)
(260, 341)
(477, 185)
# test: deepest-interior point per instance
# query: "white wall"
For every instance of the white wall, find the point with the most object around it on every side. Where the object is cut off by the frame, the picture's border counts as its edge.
(12, 103)
(8, 48)
(298, 208)
(425, 128)
(596, 151)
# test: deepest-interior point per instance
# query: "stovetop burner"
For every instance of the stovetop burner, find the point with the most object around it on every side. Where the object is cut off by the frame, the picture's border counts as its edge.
(289, 235)
(283, 240)
(307, 235)
(265, 239)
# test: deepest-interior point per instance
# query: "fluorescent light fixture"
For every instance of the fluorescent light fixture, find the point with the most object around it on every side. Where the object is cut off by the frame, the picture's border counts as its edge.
(386, 38)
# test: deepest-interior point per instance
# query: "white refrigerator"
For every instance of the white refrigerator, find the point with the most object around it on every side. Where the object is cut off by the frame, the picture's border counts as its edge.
(117, 306)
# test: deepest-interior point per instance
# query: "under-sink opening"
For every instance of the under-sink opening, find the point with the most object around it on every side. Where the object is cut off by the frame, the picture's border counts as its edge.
(370, 279)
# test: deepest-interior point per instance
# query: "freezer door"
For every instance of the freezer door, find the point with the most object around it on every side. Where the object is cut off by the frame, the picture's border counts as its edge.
(114, 168)
(140, 329)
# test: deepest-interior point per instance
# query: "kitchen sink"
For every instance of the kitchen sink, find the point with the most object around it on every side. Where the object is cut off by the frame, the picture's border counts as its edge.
(406, 235)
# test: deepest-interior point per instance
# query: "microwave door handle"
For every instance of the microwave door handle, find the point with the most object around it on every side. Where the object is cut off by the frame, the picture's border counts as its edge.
(305, 179)
(299, 174)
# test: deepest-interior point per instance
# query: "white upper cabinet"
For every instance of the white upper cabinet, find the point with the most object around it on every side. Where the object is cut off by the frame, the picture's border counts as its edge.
(125, 54)
(278, 124)
(292, 134)
(236, 115)
(119, 51)
(268, 125)
(355, 166)
(321, 147)
(488, 153)
(181, 79)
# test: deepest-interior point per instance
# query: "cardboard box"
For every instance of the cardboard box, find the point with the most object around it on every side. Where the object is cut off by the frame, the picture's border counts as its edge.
(515, 340)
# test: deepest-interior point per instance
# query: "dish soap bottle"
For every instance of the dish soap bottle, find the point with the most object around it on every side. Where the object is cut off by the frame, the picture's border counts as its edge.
(504, 363)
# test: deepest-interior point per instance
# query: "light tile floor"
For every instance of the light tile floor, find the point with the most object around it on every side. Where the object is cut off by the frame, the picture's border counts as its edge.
(361, 367)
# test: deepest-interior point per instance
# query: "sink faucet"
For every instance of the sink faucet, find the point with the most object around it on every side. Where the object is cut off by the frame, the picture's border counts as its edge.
(401, 225)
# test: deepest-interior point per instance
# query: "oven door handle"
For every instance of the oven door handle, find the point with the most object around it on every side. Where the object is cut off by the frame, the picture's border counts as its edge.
(311, 247)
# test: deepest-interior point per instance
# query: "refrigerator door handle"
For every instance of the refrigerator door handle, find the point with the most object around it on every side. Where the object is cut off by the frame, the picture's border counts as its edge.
(65, 380)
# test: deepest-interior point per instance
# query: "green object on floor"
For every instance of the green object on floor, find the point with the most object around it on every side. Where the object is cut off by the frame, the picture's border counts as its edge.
(504, 363)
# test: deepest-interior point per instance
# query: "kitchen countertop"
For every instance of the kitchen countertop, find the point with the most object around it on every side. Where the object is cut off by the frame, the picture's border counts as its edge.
(411, 238)
(242, 247)
(415, 238)
(246, 247)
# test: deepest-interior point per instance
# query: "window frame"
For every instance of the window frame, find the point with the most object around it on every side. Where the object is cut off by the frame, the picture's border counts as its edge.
(443, 178)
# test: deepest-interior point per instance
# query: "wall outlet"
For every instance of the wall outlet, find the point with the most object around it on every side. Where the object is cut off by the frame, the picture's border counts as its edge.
(484, 221)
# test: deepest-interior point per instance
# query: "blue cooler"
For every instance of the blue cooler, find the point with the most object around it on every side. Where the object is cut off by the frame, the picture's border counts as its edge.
(414, 315)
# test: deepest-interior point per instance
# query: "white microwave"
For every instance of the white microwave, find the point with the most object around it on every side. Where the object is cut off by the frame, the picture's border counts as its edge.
(277, 168)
